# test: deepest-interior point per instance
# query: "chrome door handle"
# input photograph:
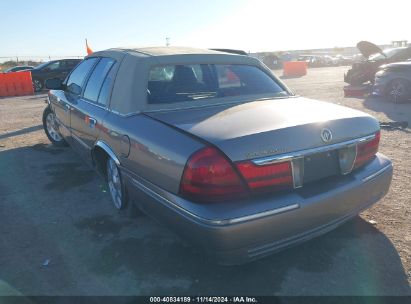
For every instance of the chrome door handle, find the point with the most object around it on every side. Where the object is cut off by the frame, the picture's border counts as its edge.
(92, 121)
(67, 106)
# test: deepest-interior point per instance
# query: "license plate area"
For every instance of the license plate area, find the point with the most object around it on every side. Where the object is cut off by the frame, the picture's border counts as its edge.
(321, 165)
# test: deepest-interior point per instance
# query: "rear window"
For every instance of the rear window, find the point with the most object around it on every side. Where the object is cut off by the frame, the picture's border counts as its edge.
(179, 83)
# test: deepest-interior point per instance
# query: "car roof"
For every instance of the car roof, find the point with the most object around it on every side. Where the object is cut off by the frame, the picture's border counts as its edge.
(129, 93)
(160, 51)
(397, 64)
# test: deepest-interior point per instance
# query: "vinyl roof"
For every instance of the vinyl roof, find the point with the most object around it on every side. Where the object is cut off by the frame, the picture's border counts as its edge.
(169, 50)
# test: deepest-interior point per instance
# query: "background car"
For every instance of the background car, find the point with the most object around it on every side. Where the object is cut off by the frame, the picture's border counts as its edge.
(394, 81)
(52, 69)
(364, 71)
(19, 68)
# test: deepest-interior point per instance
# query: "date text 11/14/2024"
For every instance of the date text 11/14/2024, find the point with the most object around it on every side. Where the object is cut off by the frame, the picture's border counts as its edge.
(204, 299)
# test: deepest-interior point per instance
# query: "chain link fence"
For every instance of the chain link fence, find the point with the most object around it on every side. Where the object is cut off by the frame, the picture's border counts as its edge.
(17, 60)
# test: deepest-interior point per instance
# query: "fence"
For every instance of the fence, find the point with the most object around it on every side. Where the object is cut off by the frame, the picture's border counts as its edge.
(23, 59)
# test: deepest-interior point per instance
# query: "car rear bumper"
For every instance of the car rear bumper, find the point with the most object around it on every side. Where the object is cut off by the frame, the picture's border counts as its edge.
(291, 218)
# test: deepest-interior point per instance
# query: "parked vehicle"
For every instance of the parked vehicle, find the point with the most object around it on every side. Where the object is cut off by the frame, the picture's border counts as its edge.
(217, 147)
(316, 61)
(364, 71)
(52, 69)
(344, 60)
(394, 81)
(19, 68)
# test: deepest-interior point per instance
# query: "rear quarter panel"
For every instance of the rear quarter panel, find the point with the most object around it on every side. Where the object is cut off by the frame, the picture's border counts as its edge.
(157, 152)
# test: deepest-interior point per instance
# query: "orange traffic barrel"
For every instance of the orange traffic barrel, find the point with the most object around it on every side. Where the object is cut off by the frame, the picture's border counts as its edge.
(294, 68)
(16, 84)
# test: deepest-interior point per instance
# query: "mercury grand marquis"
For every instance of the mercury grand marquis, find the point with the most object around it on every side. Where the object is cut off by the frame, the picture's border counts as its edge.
(217, 147)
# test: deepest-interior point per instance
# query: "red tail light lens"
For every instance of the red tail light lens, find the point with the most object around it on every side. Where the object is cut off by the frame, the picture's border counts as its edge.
(209, 176)
(366, 151)
(276, 176)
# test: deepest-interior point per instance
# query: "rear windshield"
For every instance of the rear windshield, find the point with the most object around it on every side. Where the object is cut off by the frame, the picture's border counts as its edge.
(179, 83)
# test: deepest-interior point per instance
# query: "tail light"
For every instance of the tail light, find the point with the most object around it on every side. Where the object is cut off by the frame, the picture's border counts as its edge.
(276, 176)
(209, 176)
(367, 150)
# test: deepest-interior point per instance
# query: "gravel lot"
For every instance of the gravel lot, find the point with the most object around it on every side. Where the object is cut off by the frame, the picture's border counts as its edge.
(60, 235)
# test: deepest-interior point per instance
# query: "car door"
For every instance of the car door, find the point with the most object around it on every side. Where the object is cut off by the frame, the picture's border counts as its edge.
(64, 100)
(89, 112)
(63, 70)
(52, 70)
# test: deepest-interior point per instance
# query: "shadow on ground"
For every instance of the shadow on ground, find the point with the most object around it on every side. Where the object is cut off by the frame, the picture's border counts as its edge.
(355, 259)
(395, 112)
(95, 250)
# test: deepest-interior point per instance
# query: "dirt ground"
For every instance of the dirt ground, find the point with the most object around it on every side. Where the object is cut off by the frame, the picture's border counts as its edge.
(60, 235)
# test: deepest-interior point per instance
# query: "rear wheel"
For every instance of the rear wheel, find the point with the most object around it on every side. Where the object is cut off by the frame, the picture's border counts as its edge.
(37, 85)
(399, 91)
(115, 184)
(51, 128)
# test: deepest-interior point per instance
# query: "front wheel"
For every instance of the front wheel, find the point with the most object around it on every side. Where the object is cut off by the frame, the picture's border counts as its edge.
(51, 129)
(37, 85)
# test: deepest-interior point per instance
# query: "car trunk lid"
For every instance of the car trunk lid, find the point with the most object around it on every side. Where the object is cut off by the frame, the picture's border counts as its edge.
(270, 127)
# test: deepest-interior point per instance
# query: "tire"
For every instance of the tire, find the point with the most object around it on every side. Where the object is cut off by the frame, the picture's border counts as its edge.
(51, 129)
(126, 206)
(115, 185)
(38, 85)
(399, 91)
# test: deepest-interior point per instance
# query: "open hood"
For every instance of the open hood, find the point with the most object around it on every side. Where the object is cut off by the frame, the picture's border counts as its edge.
(367, 49)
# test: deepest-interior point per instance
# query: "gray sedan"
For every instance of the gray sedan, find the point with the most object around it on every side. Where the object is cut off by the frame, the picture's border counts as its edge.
(218, 148)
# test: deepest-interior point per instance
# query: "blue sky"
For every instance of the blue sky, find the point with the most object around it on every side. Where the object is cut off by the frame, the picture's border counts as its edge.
(58, 28)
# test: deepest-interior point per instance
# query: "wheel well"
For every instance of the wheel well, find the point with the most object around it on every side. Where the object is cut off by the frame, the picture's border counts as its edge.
(100, 157)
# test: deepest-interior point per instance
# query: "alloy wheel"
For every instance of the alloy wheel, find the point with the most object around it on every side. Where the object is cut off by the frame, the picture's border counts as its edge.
(114, 183)
(51, 127)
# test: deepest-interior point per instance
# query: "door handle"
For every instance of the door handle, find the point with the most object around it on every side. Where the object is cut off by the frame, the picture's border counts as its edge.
(67, 106)
(92, 121)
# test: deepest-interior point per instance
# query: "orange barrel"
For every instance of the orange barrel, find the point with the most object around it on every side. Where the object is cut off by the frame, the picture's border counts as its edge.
(294, 68)
(16, 84)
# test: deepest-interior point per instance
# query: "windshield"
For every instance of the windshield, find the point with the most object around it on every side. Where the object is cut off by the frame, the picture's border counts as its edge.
(388, 54)
(42, 65)
(177, 83)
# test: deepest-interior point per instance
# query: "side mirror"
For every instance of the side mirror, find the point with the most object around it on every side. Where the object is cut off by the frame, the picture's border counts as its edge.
(74, 89)
(54, 84)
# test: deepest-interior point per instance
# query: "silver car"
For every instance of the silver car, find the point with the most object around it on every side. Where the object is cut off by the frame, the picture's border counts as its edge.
(218, 148)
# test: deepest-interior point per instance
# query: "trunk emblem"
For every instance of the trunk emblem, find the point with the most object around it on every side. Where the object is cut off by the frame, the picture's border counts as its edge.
(326, 135)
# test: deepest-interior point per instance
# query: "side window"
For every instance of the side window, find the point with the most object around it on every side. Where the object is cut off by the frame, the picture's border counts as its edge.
(70, 64)
(77, 77)
(95, 82)
(104, 96)
(53, 66)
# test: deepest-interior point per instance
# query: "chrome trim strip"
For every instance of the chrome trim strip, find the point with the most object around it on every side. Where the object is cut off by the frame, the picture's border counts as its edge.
(107, 148)
(264, 214)
(370, 177)
(289, 156)
(80, 141)
(94, 104)
(237, 220)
